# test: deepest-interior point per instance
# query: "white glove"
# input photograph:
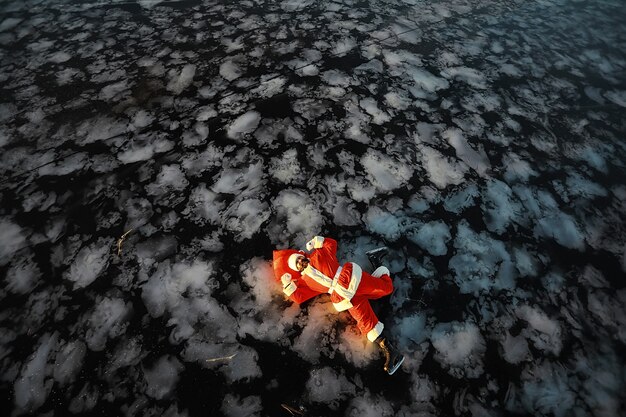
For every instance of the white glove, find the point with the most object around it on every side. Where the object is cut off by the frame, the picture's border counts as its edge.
(289, 286)
(315, 243)
(286, 279)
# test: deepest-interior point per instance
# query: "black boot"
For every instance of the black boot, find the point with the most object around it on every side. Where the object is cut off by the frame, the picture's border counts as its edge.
(393, 358)
(376, 256)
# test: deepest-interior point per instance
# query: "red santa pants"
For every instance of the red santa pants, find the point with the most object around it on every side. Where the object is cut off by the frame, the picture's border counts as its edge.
(370, 288)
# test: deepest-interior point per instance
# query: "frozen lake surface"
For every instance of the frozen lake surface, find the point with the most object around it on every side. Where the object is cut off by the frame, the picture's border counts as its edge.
(483, 142)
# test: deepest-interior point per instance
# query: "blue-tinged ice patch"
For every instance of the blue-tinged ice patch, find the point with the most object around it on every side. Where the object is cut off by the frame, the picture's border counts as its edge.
(544, 332)
(481, 264)
(432, 237)
(459, 348)
(500, 207)
(547, 389)
(514, 349)
(562, 228)
(441, 170)
(456, 202)
(411, 330)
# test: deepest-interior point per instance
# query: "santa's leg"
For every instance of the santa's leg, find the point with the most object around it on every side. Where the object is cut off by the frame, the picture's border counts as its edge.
(368, 324)
(375, 286)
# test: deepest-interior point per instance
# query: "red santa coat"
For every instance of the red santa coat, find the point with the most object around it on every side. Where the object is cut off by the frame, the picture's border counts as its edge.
(350, 287)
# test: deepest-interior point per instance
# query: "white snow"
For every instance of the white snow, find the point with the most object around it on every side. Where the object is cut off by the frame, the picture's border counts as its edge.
(179, 81)
(230, 70)
(244, 124)
(477, 160)
(441, 170)
(544, 332)
(298, 214)
(68, 362)
(480, 264)
(459, 348)
(562, 228)
(327, 386)
(12, 239)
(514, 348)
(90, 263)
(32, 387)
(107, 320)
(433, 237)
(23, 275)
(385, 172)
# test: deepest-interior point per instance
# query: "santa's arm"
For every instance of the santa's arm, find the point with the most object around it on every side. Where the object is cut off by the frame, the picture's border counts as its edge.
(319, 242)
(297, 290)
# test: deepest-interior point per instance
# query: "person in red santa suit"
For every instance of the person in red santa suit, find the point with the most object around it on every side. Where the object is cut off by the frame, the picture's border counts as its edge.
(350, 287)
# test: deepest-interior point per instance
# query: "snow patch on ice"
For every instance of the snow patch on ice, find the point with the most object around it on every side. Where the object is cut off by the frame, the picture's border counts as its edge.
(90, 263)
(459, 348)
(32, 387)
(544, 332)
(441, 170)
(433, 237)
(180, 81)
(162, 377)
(12, 239)
(107, 320)
(244, 124)
(480, 264)
(329, 387)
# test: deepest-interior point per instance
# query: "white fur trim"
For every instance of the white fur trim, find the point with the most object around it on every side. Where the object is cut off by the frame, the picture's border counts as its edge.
(318, 276)
(290, 289)
(380, 271)
(373, 334)
(355, 280)
(342, 305)
(292, 260)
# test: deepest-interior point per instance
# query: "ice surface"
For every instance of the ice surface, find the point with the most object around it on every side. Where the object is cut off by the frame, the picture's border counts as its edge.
(244, 124)
(32, 386)
(480, 263)
(482, 147)
(544, 332)
(162, 377)
(90, 262)
(23, 275)
(108, 320)
(327, 386)
(460, 348)
(69, 361)
(179, 81)
(441, 170)
(12, 239)
(234, 406)
(433, 238)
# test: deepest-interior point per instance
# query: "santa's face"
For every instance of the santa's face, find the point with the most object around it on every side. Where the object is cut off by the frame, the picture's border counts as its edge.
(302, 263)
